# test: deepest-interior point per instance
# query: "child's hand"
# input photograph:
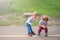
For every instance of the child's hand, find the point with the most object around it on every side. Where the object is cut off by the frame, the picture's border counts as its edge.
(44, 26)
(31, 24)
(36, 18)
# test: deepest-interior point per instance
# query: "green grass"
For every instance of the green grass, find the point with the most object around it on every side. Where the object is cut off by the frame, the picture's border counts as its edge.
(11, 20)
(15, 20)
(4, 23)
(49, 7)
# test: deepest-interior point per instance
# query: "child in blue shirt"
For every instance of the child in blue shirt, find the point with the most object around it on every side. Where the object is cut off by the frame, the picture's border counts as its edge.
(29, 23)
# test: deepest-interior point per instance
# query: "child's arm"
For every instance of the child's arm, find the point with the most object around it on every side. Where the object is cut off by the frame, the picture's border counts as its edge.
(30, 23)
(43, 26)
(35, 19)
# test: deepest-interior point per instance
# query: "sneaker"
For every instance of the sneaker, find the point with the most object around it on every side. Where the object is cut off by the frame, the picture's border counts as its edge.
(38, 34)
(46, 35)
(33, 33)
(29, 34)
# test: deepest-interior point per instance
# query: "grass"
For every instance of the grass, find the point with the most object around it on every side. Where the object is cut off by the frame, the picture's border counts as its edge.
(4, 23)
(49, 7)
(18, 7)
(10, 20)
(17, 19)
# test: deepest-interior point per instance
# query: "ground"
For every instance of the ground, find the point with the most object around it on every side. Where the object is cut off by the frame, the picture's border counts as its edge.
(20, 33)
(10, 14)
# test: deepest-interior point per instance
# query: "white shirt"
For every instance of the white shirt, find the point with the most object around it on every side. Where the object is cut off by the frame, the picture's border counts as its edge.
(41, 22)
(30, 20)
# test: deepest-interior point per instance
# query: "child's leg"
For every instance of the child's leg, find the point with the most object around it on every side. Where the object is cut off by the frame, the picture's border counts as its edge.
(46, 31)
(29, 28)
(31, 31)
(39, 30)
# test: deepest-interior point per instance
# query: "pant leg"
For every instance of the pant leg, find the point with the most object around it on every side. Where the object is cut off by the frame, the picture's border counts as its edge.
(29, 28)
(46, 30)
(40, 29)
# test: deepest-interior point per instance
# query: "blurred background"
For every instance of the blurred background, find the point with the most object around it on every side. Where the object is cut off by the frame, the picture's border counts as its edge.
(16, 12)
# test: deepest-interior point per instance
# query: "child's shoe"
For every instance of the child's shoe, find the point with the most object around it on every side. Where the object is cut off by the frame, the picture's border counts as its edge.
(38, 34)
(29, 34)
(46, 35)
(33, 33)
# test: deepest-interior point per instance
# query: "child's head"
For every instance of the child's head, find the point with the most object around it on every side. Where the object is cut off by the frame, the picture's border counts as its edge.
(34, 14)
(45, 17)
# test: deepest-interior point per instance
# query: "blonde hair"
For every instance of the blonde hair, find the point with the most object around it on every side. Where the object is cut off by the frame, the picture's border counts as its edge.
(34, 13)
